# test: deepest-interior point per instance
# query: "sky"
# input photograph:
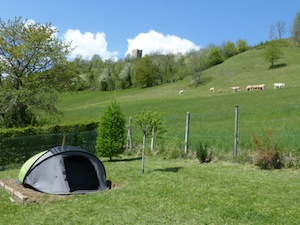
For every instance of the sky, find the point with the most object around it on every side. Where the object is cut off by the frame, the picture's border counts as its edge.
(113, 28)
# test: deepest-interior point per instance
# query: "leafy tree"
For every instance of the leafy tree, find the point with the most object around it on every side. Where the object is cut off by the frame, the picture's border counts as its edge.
(34, 62)
(214, 57)
(296, 28)
(145, 72)
(197, 62)
(241, 46)
(272, 53)
(229, 49)
(147, 120)
(111, 130)
(95, 66)
(124, 80)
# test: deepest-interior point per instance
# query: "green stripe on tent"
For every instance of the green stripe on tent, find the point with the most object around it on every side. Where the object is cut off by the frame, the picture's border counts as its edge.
(26, 166)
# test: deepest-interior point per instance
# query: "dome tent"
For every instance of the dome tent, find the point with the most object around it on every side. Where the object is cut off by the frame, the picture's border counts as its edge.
(64, 170)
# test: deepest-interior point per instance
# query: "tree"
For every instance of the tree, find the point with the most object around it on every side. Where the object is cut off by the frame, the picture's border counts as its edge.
(197, 62)
(272, 53)
(111, 130)
(228, 49)
(145, 72)
(31, 58)
(214, 57)
(148, 120)
(296, 28)
(277, 31)
(241, 46)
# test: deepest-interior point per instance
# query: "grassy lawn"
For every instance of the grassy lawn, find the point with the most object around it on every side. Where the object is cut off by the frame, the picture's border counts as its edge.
(171, 192)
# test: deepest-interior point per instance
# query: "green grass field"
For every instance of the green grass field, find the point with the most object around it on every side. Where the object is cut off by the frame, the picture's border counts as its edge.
(212, 114)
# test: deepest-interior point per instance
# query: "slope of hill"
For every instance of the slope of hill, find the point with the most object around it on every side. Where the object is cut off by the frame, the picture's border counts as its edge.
(212, 113)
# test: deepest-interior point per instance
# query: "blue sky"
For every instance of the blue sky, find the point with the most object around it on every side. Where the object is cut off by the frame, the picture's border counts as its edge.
(112, 28)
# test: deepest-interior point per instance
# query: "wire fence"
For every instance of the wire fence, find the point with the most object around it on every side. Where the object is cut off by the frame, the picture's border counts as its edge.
(215, 129)
(19, 149)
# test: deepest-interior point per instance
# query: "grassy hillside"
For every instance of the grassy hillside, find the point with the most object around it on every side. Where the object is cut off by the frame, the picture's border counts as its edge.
(212, 114)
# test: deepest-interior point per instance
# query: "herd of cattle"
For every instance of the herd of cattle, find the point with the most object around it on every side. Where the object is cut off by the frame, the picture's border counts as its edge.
(249, 87)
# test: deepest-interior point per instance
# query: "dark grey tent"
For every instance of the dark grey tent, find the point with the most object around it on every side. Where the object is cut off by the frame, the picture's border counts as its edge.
(64, 170)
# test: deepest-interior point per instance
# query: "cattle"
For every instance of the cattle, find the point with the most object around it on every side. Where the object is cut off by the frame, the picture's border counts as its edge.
(256, 87)
(235, 89)
(212, 90)
(279, 85)
(220, 90)
(181, 92)
(249, 88)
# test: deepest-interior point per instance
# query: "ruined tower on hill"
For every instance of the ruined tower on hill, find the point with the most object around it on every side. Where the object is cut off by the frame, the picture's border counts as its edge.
(136, 53)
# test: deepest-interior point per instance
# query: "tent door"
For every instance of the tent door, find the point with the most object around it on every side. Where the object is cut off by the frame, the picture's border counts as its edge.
(80, 173)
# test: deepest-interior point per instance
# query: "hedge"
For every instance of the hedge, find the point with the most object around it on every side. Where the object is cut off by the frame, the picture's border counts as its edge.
(19, 144)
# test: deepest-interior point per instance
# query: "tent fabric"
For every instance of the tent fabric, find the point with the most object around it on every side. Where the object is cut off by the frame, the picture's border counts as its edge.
(64, 170)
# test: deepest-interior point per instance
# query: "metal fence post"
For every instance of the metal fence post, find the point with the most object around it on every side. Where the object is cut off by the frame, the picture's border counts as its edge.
(236, 132)
(187, 130)
(129, 135)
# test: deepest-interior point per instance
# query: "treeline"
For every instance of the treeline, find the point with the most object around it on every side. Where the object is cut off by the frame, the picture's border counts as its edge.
(153, 69)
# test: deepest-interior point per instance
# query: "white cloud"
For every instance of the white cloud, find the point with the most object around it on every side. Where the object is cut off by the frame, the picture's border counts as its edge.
(157, 42)
(89, 44)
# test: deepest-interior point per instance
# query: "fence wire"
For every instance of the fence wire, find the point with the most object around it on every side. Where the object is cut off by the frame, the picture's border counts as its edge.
(216, 129)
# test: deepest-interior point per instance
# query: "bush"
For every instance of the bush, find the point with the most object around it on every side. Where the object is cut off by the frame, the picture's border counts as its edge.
(19, 144)
(111, 130)
(266, 155)
(202, 153)
(174, 149)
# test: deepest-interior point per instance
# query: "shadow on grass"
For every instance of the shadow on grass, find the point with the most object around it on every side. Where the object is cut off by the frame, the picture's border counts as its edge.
(277, 66)
(170, 169)
(123, 160)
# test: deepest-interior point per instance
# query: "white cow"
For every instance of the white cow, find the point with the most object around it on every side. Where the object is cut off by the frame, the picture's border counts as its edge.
(181, 92)
(279, 85)
(235, 89)
(212, 90)
(256, 87)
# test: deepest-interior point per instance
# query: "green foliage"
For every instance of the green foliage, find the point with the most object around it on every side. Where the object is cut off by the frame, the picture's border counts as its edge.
(266, 155)
(296, 28)
(18, 144)
(272, 53)
(197, 62)
(214, 57)
(173, 149)
(34, 61)
(241, 46)
(145, 72)
(148, 119)
(111, 132)
(229, 49)
(202, 152)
